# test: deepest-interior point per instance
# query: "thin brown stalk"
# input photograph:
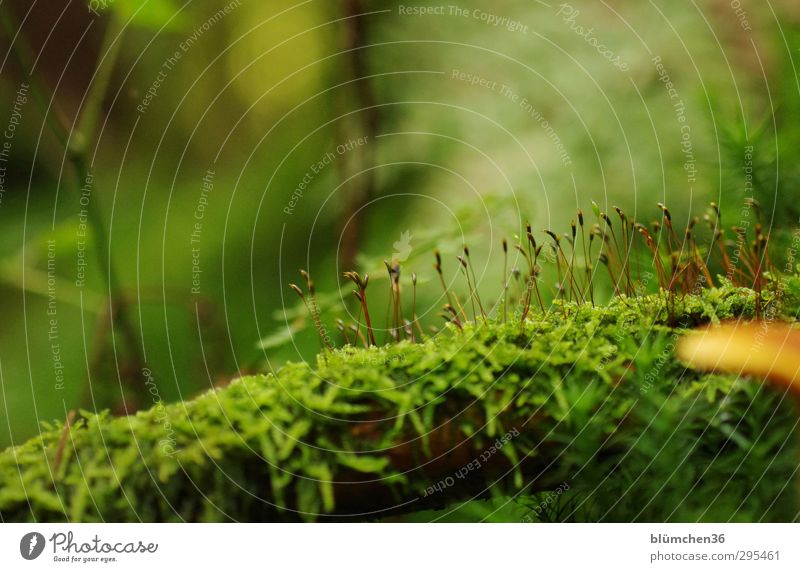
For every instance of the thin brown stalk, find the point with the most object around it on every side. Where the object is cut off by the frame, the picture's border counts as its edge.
(62, 442)
(474, 281)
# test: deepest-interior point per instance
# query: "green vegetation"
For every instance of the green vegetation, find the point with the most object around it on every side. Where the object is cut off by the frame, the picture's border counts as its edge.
(590, 397)
(173, 165)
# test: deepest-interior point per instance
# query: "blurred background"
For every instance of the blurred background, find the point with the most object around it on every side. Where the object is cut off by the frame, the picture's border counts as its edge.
(166, 167)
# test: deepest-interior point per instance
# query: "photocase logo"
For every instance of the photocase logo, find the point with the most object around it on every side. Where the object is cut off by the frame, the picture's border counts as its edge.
(31, 545)
(402, 248)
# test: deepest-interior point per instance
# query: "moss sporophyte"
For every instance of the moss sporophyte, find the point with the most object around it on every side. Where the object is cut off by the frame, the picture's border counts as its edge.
(540, 395)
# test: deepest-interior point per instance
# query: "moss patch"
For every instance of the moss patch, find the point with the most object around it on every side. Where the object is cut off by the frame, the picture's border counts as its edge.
(591, 396)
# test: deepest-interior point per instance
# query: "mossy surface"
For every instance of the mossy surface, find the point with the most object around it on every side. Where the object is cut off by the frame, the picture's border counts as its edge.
(591, 396)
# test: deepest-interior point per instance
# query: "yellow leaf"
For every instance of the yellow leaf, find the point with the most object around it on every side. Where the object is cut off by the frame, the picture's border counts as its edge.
(766, 350)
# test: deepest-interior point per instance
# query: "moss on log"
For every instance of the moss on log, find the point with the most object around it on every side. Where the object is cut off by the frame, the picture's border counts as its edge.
(589, 396)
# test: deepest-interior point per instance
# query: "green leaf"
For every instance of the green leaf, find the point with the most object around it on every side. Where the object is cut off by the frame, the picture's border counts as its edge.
(279, 337)
(363, 463)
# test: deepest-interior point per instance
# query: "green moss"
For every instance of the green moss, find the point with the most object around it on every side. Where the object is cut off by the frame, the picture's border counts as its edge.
(594, 393)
